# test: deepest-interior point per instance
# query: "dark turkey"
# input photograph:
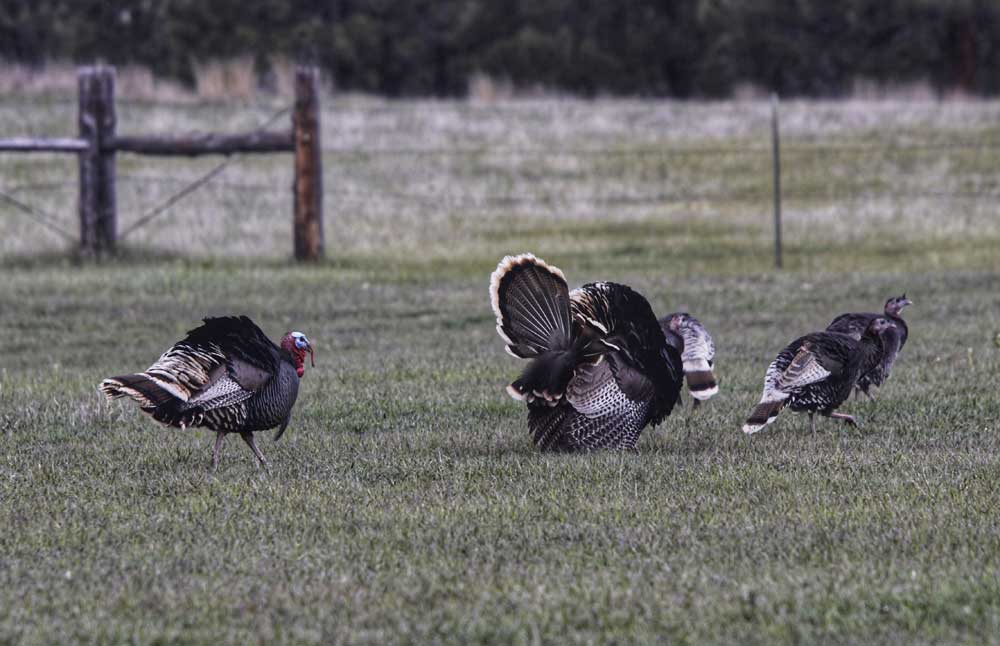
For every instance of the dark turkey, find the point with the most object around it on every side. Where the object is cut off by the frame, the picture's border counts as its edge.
(855, 323)
(697, 352)
(600, 369)
(226, 376)
(816, 374)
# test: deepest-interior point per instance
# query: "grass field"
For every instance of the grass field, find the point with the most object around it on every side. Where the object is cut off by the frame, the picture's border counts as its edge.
(406, 503)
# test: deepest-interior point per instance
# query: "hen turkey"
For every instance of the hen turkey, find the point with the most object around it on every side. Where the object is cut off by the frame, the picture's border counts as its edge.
(226, 376)
(855, 323)
(697, 352)
(600, 369)
(816, 373)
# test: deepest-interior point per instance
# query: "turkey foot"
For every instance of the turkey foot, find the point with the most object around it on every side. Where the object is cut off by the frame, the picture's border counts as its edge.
(844, 416)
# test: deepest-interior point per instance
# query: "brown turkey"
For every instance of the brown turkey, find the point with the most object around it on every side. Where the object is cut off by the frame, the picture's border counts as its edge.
(600, 369)
(816, 373)
(854, 324)
(226, 376)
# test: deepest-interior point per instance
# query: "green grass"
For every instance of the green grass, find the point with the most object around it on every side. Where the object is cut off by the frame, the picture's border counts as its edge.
(406, 503)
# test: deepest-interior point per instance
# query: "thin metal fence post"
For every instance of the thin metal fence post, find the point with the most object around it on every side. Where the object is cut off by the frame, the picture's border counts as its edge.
(776, 159)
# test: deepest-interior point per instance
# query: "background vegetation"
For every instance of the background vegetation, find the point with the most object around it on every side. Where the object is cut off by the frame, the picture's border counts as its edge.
(406, 504)
(682, 48)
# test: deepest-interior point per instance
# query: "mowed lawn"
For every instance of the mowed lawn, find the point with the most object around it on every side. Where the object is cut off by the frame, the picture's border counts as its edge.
(406, 502)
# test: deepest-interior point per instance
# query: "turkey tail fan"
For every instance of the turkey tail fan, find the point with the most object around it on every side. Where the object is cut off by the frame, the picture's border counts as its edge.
(701, 383)
(153, 399)
(763, 414)
(145, 391)
(531, 301)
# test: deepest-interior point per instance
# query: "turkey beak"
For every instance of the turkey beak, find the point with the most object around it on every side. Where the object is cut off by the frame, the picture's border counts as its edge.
(906, 301)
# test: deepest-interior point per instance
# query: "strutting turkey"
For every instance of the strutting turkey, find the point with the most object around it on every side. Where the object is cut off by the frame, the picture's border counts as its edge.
(226, 376)
(689, 336)
(855, 323)
(816, 374)
(600, 368)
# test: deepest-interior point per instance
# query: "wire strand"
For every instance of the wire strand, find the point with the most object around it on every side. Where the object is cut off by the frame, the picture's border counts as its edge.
(36, 215)
(165, 206)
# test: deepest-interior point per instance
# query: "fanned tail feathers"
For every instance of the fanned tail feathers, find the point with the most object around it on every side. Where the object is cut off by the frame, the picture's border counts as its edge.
(531, 301)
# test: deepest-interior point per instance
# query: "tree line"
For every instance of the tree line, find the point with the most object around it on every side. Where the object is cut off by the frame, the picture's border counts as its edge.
(679, 48)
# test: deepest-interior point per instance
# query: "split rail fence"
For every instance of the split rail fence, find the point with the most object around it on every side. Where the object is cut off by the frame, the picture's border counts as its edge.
(98, 144)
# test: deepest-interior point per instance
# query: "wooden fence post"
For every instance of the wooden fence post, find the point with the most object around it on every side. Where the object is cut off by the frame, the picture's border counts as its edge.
(308, 223)
(98, 217)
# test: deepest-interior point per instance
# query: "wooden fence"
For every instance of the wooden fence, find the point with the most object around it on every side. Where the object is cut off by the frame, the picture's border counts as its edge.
(98, 144)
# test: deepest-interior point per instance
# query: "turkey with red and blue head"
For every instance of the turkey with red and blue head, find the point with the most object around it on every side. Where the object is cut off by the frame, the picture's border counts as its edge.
(226, 376)
(599, 367)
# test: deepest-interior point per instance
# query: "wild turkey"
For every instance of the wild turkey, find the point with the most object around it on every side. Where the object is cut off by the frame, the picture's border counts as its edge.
(854, 324)
(697, 351)
(600, 368)
(816, 374)
(227, 376)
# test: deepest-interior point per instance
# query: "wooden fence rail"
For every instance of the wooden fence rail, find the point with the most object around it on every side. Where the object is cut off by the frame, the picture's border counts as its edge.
(35, 145)
(213, 144)
(98, 145)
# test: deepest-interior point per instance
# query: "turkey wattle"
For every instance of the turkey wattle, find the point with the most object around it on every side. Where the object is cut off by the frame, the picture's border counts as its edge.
(816, 373)
(226, 376)
(600, 369)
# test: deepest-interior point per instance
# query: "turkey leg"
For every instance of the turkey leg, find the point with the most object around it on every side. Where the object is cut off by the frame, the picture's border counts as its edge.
(248, 438)
(219, 436)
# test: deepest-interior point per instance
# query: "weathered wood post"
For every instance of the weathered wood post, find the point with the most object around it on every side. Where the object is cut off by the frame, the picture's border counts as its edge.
(308, 223)
(98, 217)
